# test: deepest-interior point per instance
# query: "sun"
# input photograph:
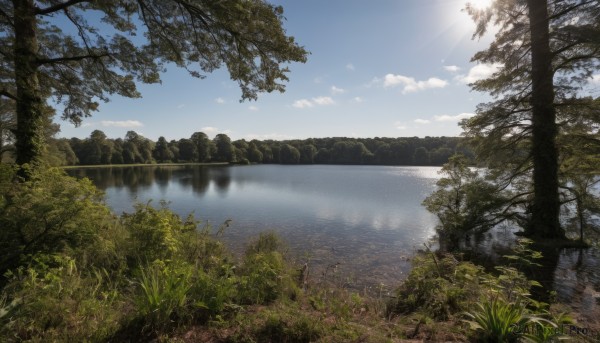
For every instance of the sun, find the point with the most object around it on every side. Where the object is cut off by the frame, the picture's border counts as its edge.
(480, 4)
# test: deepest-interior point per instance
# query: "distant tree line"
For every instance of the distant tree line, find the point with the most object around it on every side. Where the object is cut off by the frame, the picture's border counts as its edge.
(134, 148)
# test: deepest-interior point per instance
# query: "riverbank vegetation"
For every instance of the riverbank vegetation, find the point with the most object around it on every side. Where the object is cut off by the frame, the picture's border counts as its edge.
(73, 271)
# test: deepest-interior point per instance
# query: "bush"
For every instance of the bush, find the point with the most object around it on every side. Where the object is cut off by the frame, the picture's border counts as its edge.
(155, 234)
(49, 213)
(52, 300)
(264, 276)
(438, 286)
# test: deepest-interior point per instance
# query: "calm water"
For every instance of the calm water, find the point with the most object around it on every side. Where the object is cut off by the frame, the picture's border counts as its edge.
(369, 219)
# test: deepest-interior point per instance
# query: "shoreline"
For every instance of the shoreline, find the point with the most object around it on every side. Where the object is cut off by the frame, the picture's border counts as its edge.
(145, 165)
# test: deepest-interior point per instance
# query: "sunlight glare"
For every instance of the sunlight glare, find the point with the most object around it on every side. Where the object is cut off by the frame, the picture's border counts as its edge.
(480, 4)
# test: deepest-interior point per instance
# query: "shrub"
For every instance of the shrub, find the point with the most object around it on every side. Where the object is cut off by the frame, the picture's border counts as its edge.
(264, 276)
(155, 234)
(52, 300)
(49, 213)
(438, 286)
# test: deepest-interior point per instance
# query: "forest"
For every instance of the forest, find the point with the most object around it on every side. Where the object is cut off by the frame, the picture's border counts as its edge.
(100, 150)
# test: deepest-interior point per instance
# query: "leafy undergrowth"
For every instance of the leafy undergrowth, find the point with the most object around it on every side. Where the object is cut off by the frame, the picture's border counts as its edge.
(75, 272)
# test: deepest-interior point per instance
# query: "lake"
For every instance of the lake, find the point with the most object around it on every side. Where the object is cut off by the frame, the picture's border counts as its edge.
(367, 220)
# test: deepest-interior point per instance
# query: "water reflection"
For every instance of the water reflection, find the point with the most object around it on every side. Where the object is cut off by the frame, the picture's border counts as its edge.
(367, 218)
(572, 273)
(142, 178)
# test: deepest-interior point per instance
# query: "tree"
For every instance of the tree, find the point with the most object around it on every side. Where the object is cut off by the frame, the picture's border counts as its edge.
(225, 149)
(544, 51)
(161, 152)
(202, 146)
(50, 48)
(267, 153)
(308, 153)
(464, 202)
(289, 154)
(187, 150)
(421, 156)
(254, 155)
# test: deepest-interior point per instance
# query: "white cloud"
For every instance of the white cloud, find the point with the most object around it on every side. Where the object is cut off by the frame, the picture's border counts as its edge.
(452, 69)
(456, 118)
(253, 108)
(391, 80)
(400, 125)
(302, 103)
(318, 79)
(323, 100)
(376, 81)
(335, 90)
(350, 66)
(422, 121)
(595, 79)
(358, 99)
(122, 123)
(479, 72)
(220, 100)
(411, 85)
(209, 129)
(180, 106)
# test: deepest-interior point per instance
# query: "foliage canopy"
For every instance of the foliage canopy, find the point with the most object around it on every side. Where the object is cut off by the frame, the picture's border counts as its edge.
(80, 52)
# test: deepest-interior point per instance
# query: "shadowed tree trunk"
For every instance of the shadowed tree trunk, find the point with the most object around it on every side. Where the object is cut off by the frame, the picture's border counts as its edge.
(29, 109)
(546, 204)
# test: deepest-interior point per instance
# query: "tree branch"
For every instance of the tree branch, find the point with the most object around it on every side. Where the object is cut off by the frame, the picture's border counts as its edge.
(8, 18)
(4, 92)
(41, 61)
(58, 7)
(569, 9)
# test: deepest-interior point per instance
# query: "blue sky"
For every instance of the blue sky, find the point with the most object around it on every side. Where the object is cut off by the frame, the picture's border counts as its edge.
(379, 68)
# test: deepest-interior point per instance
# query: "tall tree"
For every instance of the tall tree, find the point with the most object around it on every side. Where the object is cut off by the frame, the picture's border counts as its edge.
(51, 48)
(161, 152)
(187, 150)
(225, 149)
(544, 51)
(202, 146)
(289, 154)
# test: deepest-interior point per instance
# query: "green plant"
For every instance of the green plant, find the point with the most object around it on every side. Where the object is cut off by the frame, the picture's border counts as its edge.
(439, 286)
(52, 300)
(213, 292)
(292, 330)
(163, 295)
(464, 202)
(497, 321)
(156, 233)
(264, 276)
(46, 214)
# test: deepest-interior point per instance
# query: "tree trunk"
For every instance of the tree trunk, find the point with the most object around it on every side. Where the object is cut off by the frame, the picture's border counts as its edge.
(546, 206)
(29, 106)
